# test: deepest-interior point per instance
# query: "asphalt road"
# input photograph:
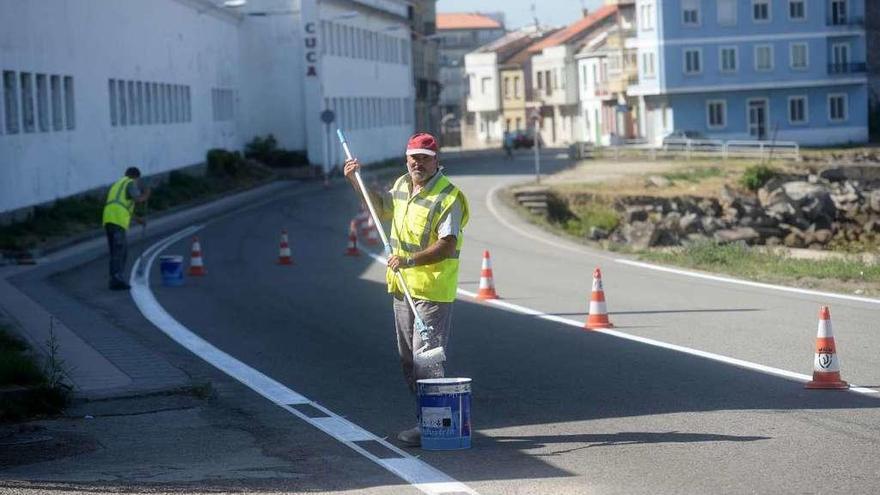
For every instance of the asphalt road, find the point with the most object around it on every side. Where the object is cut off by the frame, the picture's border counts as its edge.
(556, 409)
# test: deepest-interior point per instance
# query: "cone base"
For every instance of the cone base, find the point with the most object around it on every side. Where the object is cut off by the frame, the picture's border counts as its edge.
(196, 271)
(593, 325)
(352, 252)
(285, 261)
(485, 294)
(820, 385)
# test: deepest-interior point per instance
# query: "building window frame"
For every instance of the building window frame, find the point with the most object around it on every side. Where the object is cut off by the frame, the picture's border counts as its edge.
(698, 61)
(728, 48)
(720, 112)
(803, 8)
(844, 108)
(722, 21)
(805, 117)
(690, 13)
(769, 48)
(791, 58)
(769, 11)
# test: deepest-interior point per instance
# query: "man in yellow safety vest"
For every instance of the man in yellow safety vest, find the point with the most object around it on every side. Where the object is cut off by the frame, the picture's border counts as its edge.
(118, 210)
(428, 214)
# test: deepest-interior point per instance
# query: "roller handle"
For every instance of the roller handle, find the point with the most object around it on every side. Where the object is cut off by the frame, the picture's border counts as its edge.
(419, 323)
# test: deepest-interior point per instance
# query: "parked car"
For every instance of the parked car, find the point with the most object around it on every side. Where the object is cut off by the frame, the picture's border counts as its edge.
(522, 139)
(675, 139)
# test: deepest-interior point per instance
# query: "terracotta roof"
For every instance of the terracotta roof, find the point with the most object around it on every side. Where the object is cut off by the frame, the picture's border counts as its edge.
(518, 57)
(575, 29)
(466, 21)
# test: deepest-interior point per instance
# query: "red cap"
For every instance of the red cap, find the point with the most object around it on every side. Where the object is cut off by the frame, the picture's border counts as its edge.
(422, 143)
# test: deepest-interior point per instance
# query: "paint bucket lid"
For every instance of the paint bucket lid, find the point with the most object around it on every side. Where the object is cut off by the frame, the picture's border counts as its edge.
(174, 258)
(444, 381)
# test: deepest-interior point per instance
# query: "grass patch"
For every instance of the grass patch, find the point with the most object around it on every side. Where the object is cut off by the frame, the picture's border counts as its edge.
(693, 175)
(18, 368)
(768, 265)
(587, 216)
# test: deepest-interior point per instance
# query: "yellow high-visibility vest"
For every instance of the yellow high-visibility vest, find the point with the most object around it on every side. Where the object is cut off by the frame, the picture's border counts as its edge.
(414, 228)
(119, 207)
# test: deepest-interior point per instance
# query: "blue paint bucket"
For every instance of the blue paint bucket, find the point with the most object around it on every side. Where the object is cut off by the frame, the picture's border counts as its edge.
(171, 267)
(445, 413)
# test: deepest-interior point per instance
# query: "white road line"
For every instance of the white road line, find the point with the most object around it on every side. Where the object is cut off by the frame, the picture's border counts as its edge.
(729, 280)
(656, 343)
(417, 473)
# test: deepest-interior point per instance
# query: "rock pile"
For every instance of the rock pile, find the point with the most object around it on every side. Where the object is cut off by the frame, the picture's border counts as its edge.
(838, 205)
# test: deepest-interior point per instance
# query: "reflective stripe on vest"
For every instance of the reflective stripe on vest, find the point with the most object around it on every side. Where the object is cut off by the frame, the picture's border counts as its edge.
(414, 228)
(118, 208)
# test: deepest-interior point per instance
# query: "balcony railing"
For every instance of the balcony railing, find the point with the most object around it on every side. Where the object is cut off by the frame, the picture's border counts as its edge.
(855, 68)
(845, 21)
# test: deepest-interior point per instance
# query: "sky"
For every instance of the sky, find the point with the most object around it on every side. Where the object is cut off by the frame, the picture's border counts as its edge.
(518, 13)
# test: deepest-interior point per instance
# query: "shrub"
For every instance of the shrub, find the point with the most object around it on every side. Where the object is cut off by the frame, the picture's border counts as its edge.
(756, 176)
(222, 163)
(261, 149)
(266, 151)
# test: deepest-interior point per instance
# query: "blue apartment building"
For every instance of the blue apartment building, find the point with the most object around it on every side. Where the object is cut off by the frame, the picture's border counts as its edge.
(785, 70)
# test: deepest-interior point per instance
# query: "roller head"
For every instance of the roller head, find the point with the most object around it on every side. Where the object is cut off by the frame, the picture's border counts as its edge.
(430, 357)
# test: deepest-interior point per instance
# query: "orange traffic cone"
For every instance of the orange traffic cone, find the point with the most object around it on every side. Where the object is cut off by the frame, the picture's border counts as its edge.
(826, 368)
(372, 233)
(363, 222)
(284, 250)
(196, 266)
(487, 282)
(598, 317)
(352, 239)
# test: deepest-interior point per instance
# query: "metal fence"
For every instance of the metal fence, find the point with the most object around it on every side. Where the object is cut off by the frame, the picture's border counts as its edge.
(694, 148)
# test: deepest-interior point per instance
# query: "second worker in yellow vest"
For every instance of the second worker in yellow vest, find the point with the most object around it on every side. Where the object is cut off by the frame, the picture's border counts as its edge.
(428, 215)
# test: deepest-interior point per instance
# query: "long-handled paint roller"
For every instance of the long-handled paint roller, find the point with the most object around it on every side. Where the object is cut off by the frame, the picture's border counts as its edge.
(140, 261)
(424, 357)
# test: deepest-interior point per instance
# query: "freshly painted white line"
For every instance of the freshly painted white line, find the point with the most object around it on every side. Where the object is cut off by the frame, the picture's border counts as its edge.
(730, 280)
(419, 474)
(656, 343)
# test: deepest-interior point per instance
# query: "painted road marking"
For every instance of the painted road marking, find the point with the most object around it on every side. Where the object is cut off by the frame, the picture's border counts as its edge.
(656, 343)
(414, 471)
(729, 280)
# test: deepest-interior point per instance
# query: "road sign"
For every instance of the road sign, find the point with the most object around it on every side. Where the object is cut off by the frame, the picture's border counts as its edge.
(327, 116)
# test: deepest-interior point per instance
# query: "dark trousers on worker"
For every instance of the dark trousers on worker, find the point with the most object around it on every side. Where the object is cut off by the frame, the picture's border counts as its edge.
(118, 252)
(435, 314)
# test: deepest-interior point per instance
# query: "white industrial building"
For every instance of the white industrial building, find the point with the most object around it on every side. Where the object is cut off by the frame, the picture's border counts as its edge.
(93, 86)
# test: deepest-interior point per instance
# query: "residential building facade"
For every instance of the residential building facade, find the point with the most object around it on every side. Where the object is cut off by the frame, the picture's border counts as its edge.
(788, 70)
(158, 85)
(606, 70)
(492, 88)
(425, 64)
(555, 77)
(459, 34)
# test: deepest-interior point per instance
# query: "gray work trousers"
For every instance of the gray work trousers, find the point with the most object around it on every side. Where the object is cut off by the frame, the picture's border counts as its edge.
(435, 314)
(118, 252)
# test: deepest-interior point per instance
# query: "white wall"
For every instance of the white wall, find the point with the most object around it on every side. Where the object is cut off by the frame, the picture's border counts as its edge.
(360, 79)
(163, 41)
(480, 66)
(260, 60)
